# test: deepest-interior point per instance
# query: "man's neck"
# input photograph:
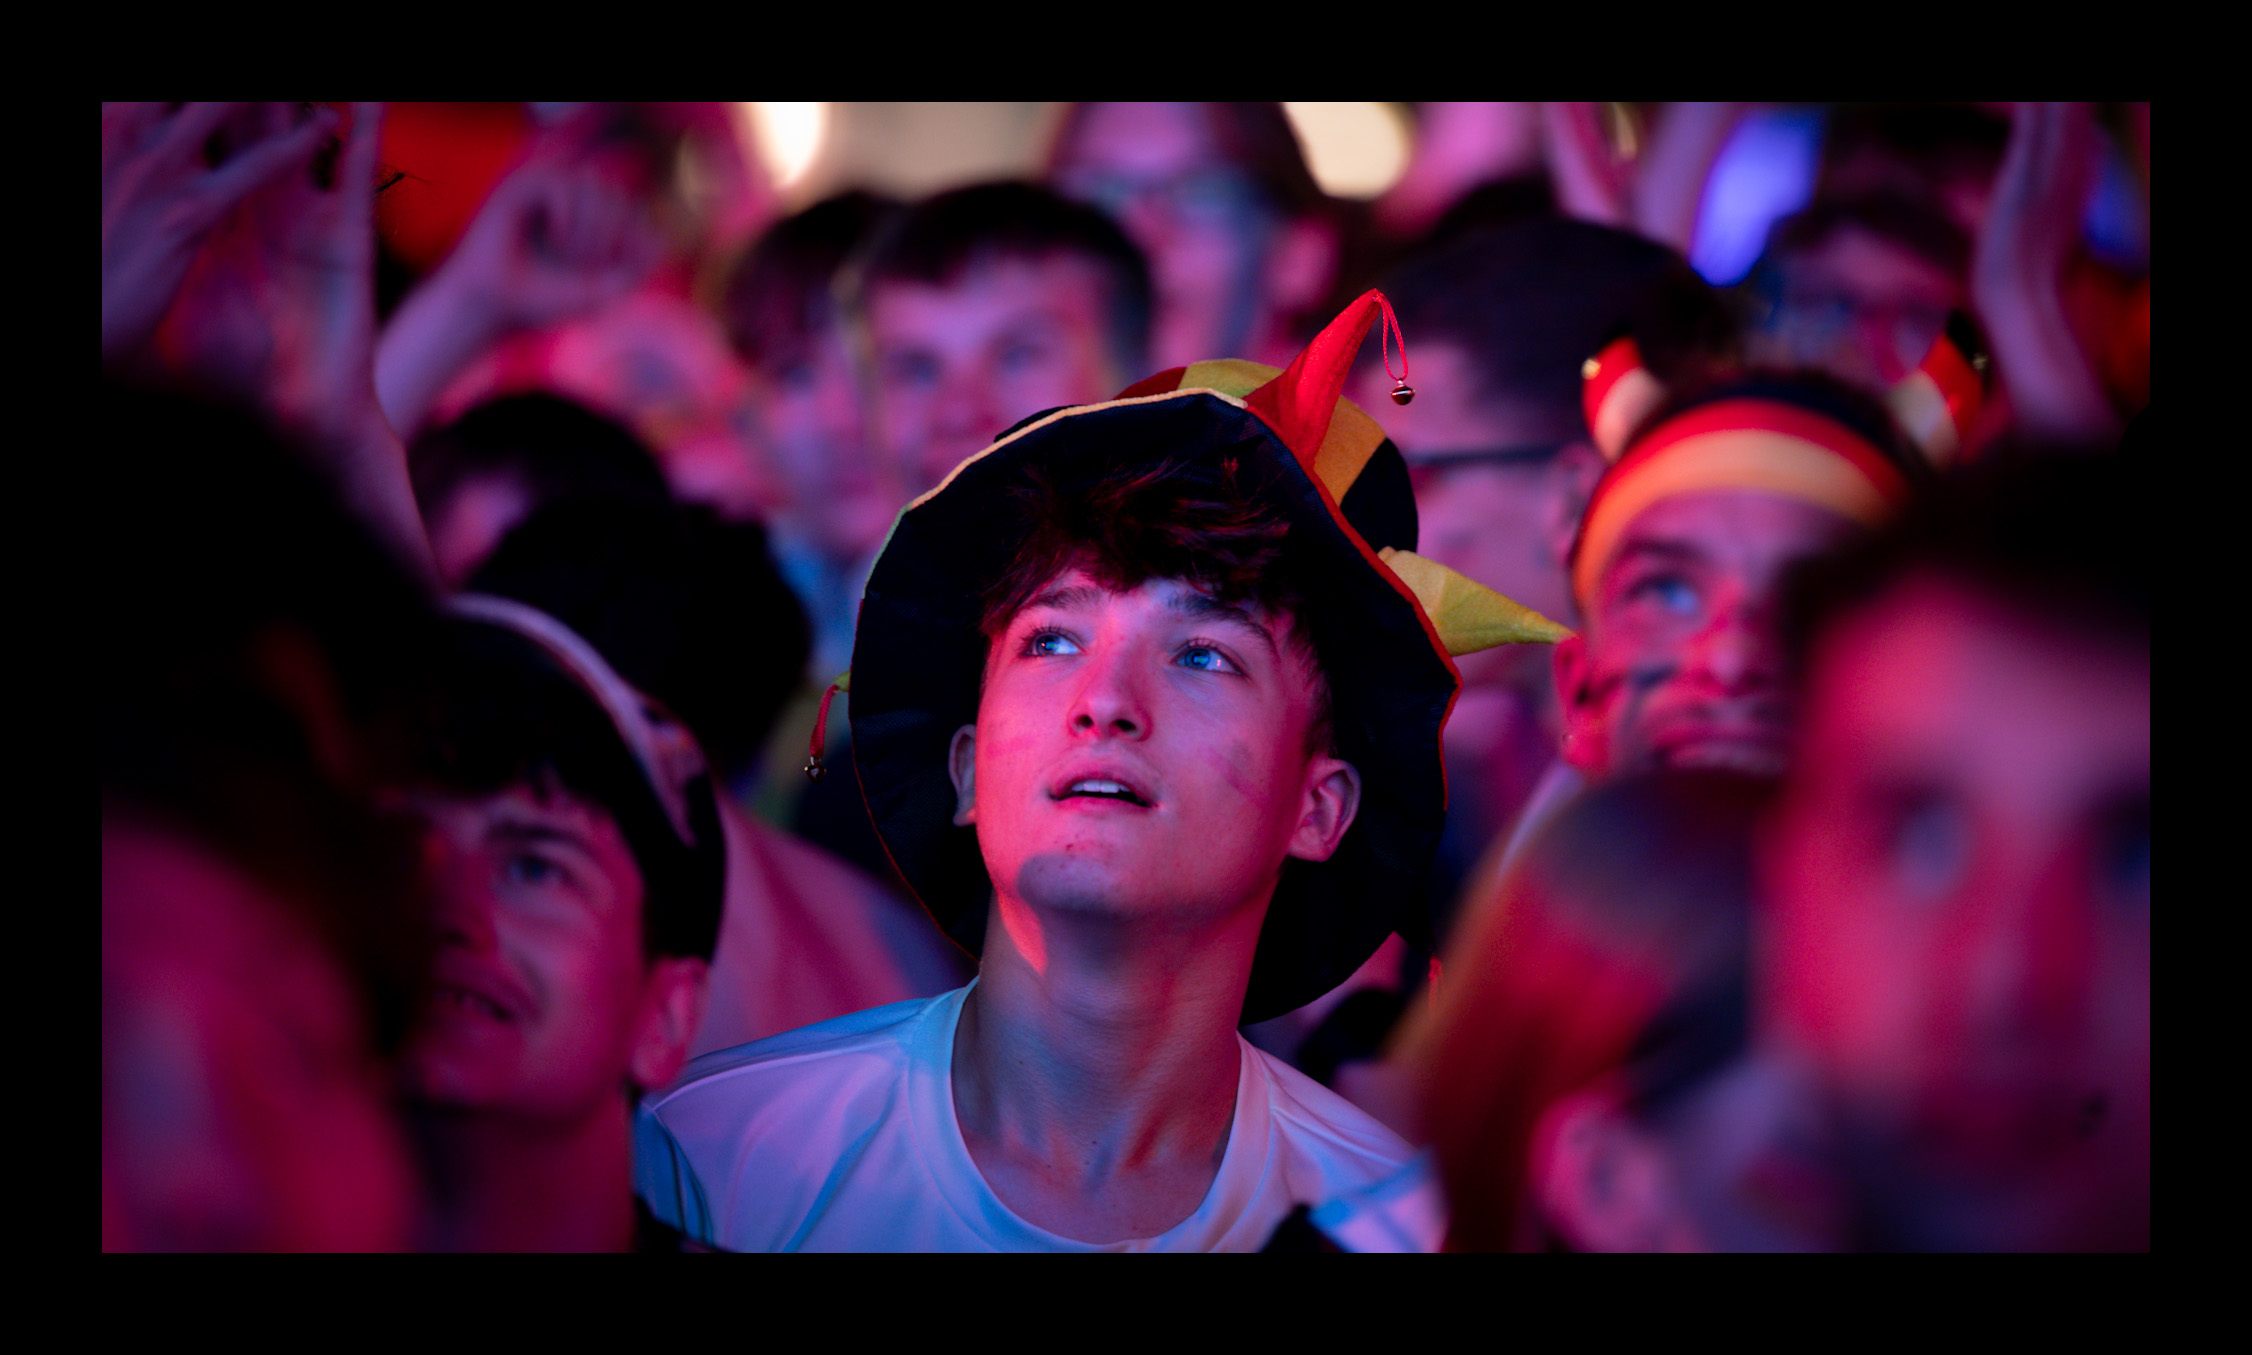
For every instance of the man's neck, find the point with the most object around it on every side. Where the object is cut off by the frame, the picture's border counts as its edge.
(1095, 1067)
(505, 1186)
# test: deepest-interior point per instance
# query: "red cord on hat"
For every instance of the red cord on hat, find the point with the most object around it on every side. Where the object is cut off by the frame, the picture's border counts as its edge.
(1402, 392)
(814, 771)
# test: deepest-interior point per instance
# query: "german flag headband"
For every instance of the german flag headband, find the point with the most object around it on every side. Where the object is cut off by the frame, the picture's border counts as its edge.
(1756, 442)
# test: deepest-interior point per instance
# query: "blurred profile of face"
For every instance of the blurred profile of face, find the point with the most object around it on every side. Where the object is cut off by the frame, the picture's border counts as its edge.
(1497, 493)
(1859, 307)
(1680, 661)
(540, 989)
(1157, 170)
(663, 368)
(836, 495)
(1961, 874)
(957, 363)
(243, 1107)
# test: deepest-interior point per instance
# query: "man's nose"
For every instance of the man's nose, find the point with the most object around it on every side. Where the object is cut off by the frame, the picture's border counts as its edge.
(461, 895)
(2024, 953)
(1109, 702)
(966, 407)
(1739, 650)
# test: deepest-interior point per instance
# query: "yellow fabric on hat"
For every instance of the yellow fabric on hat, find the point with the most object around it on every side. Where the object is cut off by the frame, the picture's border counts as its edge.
(1468, 615)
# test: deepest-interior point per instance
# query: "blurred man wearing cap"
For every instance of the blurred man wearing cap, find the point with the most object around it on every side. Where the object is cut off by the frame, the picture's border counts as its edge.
(1143, 714)
(576, 861)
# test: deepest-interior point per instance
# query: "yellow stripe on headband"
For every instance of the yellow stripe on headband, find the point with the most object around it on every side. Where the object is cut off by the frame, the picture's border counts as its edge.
(1732, 459)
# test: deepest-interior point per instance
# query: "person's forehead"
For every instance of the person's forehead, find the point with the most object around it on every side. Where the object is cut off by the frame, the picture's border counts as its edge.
(524, 812)
(1141, 139)
(1056, 289)
(1075, 588)
(1747, 530)
(1859, 262)
(1935, 682)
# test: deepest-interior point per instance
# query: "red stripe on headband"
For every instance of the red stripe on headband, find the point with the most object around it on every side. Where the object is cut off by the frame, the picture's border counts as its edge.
(1751, 412)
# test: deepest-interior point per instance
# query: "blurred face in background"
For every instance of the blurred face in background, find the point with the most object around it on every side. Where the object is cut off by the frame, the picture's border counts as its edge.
(1498, 492)
(837, 497)
(1961, 870)
(243, 1107)
(1859, 306)
(958, 363)
(1222, 262)
(1680, 663)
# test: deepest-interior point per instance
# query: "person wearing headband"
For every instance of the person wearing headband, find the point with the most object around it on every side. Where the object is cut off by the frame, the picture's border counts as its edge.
(1147, 701)
(575, 860)
(1708, 503)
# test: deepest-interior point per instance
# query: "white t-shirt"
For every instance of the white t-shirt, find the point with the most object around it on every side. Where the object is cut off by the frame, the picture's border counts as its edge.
(842, 1137)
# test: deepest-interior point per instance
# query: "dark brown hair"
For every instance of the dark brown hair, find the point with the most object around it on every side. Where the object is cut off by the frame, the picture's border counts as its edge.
(1161, 520)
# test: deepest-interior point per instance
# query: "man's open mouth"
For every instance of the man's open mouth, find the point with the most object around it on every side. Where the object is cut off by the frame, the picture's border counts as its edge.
(1101, 788)
(465, 1000)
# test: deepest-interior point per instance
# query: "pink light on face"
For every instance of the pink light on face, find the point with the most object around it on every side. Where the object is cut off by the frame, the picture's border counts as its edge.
(242, 1108)
(1142, 749)
(1963, 933)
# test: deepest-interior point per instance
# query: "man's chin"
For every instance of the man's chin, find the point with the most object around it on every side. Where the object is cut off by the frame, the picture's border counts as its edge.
(1750, 756)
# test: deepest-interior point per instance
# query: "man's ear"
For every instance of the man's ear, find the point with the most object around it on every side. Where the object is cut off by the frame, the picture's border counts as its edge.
(961, 765)
(1584, 744)
(1332, 797)
(672, 1008)
(1600, 1180)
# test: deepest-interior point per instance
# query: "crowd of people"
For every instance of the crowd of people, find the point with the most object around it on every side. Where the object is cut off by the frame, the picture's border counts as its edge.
(1150, 708)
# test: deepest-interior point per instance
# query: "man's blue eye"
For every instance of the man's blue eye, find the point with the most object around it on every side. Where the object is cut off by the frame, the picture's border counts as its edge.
(1930, 849)
(532, 870)
(1670, 592)
(1206, 658)
(1048, 643)
(1020, 357)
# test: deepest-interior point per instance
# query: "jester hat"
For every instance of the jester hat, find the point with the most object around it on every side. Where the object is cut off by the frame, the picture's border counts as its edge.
(1385, 622)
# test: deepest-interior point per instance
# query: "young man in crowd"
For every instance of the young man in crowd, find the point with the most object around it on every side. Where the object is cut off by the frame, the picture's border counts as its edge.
(1679, 563)
(1960, 865)
(1502, 459)
(989, 303)
(576, 864)
(838, 498)
(1148, 654)
(691, 612)
(1241, 241)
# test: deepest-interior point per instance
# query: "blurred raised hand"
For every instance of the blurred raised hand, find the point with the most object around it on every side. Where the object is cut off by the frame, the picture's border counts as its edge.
(2031, 233)
(566, 233)
(238, 260)
(171, 173)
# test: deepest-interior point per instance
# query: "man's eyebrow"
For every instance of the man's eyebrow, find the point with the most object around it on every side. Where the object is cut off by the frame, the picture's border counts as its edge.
(1064, 597)
(1664, 548)
(520, 832)
(1197, 606)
